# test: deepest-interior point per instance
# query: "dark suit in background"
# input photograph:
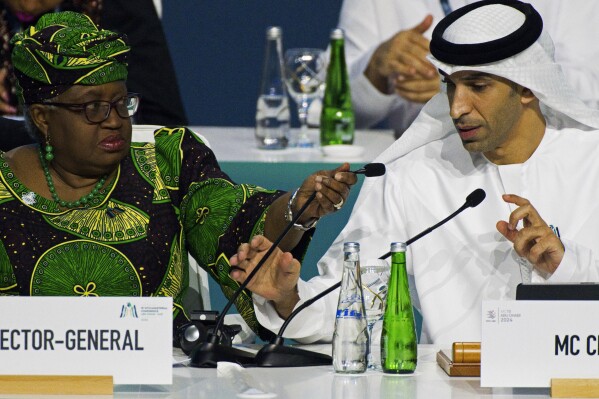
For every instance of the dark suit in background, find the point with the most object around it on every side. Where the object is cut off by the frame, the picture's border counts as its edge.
(151, 71)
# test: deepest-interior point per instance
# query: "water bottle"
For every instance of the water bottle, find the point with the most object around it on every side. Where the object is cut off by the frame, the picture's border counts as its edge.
(337, 115)
(272, 108)
(399, 345)
(350, 339)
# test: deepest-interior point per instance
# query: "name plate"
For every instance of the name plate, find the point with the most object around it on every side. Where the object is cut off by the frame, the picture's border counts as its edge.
(129, 338)
(527, 343)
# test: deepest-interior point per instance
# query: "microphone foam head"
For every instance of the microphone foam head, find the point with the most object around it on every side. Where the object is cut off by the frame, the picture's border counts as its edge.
(374, 169)
(476, 197)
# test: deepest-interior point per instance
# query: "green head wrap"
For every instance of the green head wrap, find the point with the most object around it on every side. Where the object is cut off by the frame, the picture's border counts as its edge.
(65, 49)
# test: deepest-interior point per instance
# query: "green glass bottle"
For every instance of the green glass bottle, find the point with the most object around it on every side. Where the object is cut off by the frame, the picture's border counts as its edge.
(337, 117)
(399, 345)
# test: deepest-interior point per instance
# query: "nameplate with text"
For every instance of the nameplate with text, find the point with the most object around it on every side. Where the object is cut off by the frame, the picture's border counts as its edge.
(527, 343)
(129, 338)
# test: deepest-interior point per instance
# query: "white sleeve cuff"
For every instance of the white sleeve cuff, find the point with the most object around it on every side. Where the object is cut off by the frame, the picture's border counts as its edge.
(312, 324)
(567, 268)
(370, 105)
(578, 265)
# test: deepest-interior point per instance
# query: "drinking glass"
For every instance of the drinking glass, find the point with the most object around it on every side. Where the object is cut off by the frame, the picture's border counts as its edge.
(305, 76)
(375, 279)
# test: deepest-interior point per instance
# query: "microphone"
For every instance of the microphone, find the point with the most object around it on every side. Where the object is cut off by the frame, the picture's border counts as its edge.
(275, 354)
(472, 200)
(212, 351)
(475, 198)
(371, 170)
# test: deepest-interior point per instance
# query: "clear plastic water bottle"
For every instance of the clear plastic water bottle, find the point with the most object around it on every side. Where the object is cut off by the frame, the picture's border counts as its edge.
(272, 108)
(350, 339)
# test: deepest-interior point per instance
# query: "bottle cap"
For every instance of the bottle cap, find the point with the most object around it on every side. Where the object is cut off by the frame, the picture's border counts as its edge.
(398, 247)
(337, 33)
(351, 247)
(273, 32)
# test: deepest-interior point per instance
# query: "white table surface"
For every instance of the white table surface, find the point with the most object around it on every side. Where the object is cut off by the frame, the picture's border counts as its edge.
(237, 144)
(428, 382)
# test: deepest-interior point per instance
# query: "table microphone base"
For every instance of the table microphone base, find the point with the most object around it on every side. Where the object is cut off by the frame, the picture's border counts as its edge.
(208, 354)
(275, 355)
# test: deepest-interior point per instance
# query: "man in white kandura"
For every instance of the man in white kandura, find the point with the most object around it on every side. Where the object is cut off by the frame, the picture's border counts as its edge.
(506, 122)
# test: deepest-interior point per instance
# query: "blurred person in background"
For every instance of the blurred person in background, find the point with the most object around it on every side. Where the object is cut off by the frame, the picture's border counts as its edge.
(387, 42)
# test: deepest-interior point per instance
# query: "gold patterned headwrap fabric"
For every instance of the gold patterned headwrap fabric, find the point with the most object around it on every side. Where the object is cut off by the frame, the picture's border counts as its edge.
(65, 49)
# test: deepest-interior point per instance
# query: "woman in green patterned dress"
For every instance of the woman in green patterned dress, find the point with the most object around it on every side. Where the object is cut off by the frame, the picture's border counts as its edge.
(88, 213)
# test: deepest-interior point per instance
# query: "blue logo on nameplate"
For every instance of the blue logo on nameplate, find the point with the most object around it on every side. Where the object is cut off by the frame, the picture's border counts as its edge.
(129, 310)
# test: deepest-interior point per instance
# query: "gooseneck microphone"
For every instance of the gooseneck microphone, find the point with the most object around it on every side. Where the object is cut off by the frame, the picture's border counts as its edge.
(275, 354)
(371, 170)
(212, 351)
(472, 200)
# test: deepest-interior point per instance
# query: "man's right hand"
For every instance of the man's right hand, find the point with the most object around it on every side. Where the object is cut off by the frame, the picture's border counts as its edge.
(402, 60)
(535, 241)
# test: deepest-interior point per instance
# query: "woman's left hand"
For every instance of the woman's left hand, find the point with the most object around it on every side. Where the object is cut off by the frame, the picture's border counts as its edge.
(332, 189)
(277, 279)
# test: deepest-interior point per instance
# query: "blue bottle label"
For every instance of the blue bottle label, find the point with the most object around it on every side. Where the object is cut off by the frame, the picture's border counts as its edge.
(348, 314)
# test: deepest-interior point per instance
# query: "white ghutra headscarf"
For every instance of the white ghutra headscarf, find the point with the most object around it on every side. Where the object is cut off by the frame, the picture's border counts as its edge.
(465, 40)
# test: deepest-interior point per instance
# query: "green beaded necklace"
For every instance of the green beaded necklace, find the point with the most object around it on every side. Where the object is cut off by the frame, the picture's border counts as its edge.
(81, 202)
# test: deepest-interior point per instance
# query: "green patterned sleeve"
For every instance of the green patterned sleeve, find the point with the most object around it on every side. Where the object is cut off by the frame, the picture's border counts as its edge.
(217, 215)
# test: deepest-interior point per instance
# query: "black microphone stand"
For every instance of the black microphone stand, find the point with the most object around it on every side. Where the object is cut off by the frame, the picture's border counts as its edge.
(276, 354)
(210, 352)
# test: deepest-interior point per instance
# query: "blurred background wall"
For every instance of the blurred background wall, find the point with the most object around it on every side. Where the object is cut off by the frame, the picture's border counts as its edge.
(217, 47)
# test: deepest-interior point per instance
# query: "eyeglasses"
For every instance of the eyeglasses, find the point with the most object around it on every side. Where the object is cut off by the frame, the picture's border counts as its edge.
(99, 111)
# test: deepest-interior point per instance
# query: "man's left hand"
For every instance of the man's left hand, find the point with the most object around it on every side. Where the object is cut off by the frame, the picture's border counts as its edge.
(535, 241)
